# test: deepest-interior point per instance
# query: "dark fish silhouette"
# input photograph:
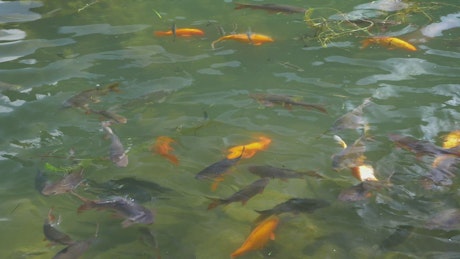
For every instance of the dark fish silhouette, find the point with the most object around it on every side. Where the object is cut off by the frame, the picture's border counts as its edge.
(52, 234)
(75, 250)
(294, 205)
(350, 156)
(285, 101)
(83, 99)
(397, 237)
(66, 184)
(280, 173)
(117, 152)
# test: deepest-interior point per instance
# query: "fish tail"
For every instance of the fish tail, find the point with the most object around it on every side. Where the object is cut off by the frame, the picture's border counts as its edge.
(315, 107)
(240, 6)
(214, 203)
(113, 87)
(162, 33)
(365, 43)
(263, 215)
(173, 159)
(87, 204)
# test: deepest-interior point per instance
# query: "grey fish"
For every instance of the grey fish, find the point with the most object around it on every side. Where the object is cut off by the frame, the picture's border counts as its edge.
(397, 237)
(357, 192)
(66, 184)
(421, 147)
(242, 195)
(350, 156)
(74, 250)
(351, 120)
(277, 8)
(130, 210)
(280, 173)
(110, 115)
(83, 99)
(117, 152)
(294, 205)
(447, 220)
(285, 101)
(218, 168)
(52, 234)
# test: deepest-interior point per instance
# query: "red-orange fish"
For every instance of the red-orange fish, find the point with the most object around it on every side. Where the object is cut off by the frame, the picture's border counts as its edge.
(258, 237)
(182, 32)
(389, 42)
(249, 150)
(251, 38)
(163, 147)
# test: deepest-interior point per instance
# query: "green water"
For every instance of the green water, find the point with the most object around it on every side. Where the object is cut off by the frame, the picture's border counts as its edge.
(182, 88)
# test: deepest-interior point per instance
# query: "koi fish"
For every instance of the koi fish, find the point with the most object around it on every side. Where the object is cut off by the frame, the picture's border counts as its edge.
(420, 147)
(280, 173)
(117, 152)
(351, 120)
(294, 205)
(259, 237)
(52, 234)
(83, 99)
(130, 210)
(66, 184)
(452, 139)
(250, 38)
(447, 220)
(110, 115)
(163, 147)
(285, 101)
(249, 150)
(357, 192)
(276, 8)
(215, 171)
(182, 32)
(350, 156)
(364, 173)
(242, 195)
(389, 42)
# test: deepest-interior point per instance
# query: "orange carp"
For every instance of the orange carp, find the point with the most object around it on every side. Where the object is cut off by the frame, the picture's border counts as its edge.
(258, 237)
(182, 32)
(163, 147)
(389, 42)
(250, 38)
(249, 150)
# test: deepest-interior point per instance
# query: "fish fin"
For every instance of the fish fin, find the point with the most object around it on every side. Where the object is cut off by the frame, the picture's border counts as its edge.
(214, 203)
(365, 43)
(162, 33)
(84, 206)
(173, 159)
(216, 183)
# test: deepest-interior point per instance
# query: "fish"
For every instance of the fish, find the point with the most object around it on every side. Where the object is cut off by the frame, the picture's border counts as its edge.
(285, 101)
(390, 43)
(350, 156)
(74, 250)
(117, 152)
(249, 150)
(216, 171)
(52, 234)
(451, 140)
(293, 205)
(163, 147)
(258, 237)
(364, 173)
(250, 38)
(447, 220)
(397, 237)
(351, 120)
(280, 173)
(181, 32)
(148, 237)
(110, 115)
(357, 192)
(83, 99)
(442, 171)
(242, 195)
(67, 184)
(132, 212)
(276, 8)
(420, 147)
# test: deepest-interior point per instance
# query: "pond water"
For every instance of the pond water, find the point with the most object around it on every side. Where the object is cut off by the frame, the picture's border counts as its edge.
(201, 98)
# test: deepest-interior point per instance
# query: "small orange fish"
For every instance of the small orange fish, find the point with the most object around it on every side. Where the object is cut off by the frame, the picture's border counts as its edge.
(163, 147)
(452, 139)
(249, 150)
(183, 32)
(389, 42)
(251, 38)
(258, 237)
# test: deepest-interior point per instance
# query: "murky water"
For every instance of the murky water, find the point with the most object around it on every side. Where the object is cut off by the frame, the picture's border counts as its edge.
(199, 97)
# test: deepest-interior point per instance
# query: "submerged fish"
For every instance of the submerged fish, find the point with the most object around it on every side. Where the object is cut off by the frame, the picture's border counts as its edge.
(442, 171)
(250, 38)
(217, 169)
(451, 140)
(447, 220)
(75, 250)
(350, 156)
(242, 195)
(66, 184)
(163, 147)
(420, 147)
(52, 234)
(286, 101)
(351, 120)
(277, 8)
(111, 116)
(259, 237)
(117, 152)
(182, 32)
(83, 99)
(249, 150)
(294, 205)
(130, 210)
(280, 173)
(389, 42)
(397, 237)
(357, 192)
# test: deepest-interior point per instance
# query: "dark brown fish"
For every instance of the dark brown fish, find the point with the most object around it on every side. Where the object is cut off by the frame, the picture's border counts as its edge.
(442, 170)
(351, 120)
(217, 169)
(127, 208)
(446, 220)
(74, 250)
(357, 192)
(351, 156)
(280, 173)
(117, 152)
(110, 115)
(420, 147)
(52, 234)
(66, 184)
(242, 195)
(83, 99)
(294, 205)
(285, 101)
(276, 8)
(149, 239)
